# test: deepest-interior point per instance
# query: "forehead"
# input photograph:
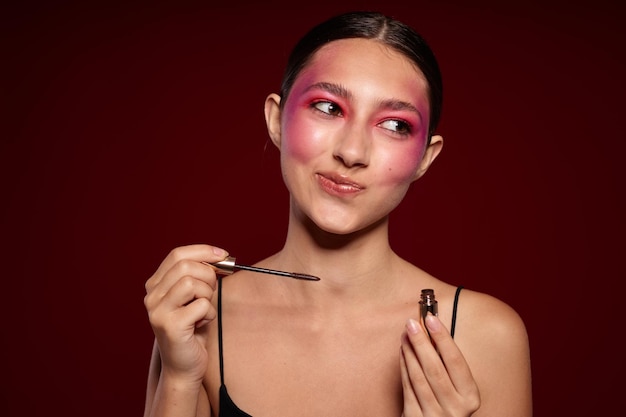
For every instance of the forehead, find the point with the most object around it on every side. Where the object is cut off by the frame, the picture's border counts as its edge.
(360, 64)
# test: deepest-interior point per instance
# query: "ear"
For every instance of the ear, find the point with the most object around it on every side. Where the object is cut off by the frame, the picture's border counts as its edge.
(431, 152)
(272, 118)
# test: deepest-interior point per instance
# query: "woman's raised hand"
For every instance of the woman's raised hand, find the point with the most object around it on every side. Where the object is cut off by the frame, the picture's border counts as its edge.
(178, 301)
(436, 380)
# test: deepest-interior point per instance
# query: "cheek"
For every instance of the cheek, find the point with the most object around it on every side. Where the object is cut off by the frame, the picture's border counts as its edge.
(402, 164)
(301, 139)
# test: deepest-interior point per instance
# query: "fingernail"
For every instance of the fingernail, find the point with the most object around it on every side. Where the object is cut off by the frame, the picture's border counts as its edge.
(412, 326)
(219, 252)
(432, 323)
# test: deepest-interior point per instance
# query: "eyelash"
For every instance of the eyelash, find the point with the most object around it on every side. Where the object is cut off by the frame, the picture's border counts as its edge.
(316, 106)
(403, 128)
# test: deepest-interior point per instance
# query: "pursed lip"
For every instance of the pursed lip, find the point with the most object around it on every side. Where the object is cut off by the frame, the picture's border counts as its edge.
(338, 184)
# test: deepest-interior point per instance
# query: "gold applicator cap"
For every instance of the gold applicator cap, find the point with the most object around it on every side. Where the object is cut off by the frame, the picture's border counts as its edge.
(225, 267)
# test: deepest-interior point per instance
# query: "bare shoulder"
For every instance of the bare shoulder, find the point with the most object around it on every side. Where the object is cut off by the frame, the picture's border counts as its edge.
(484, 317)
(493, 339)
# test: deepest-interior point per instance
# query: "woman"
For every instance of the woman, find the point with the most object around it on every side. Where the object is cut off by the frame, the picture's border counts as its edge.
(355, 123)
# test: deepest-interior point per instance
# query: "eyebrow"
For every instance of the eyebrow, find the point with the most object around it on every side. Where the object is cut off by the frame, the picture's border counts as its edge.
(332, 88)
(341, 91)
(398, 105)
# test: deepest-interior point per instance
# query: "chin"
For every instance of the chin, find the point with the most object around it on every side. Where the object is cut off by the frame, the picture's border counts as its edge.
(342, 229)
(338, 223)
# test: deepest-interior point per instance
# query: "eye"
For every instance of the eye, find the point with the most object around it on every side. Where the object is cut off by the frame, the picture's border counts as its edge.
(397, 126)
(328, 107)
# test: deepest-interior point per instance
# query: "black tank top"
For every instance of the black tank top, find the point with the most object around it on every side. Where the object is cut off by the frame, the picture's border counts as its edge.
(227, 407)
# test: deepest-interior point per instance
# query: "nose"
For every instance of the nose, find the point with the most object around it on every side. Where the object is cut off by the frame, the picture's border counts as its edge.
(352, 147)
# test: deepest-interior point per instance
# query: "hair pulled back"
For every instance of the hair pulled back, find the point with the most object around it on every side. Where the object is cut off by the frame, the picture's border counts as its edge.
(375, 26)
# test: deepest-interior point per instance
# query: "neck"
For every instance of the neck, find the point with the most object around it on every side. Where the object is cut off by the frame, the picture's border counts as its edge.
(347, 264)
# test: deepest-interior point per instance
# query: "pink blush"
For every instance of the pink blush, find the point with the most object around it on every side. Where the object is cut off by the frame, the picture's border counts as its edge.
(302, 139)
(402, 164)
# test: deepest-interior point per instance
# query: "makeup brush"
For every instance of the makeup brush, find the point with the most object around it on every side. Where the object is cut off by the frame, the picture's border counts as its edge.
(228, 266)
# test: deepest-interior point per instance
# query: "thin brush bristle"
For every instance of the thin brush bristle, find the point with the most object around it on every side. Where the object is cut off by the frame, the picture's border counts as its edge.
(304, 276)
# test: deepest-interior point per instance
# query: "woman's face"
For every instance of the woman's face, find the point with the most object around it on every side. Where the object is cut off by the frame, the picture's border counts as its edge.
(353, 134)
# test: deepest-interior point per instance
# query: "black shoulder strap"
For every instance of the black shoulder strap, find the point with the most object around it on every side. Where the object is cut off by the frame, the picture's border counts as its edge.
(454, 308)
(219, 327)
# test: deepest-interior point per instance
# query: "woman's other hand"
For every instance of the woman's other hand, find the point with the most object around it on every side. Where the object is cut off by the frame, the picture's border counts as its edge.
(436, 379)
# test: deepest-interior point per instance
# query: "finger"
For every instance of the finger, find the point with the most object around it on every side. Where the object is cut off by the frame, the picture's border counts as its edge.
(184, 292)
(182, 268)
(420, 353)
(199, 312)
(411, 406)
(198, 253)
(184, 271)
(181, 326)
(458, 370)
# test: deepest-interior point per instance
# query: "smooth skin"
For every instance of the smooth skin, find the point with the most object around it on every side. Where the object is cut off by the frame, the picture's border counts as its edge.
(353, 136)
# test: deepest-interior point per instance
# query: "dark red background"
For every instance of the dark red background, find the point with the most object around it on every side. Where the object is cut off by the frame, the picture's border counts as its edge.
(130, 129)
